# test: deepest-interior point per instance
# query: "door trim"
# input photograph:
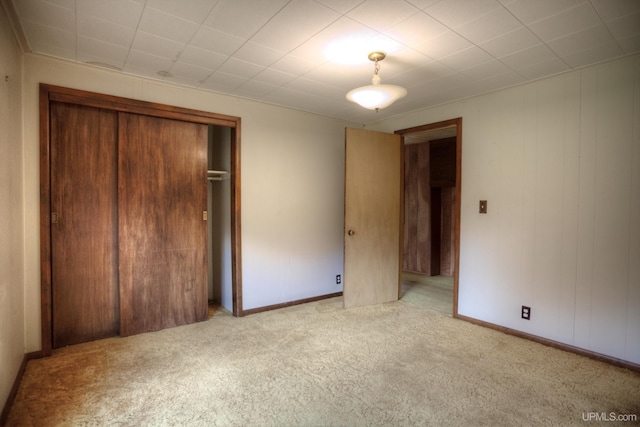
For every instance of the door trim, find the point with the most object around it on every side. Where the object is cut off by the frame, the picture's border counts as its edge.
(457, 123)
(49, 93)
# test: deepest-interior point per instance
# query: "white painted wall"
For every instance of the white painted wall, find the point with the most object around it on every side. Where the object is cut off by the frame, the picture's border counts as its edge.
(559, 162)
(12, 346)
(292, 185)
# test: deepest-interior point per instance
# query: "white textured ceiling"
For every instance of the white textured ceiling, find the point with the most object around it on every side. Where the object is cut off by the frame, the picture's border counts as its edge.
(306, 54)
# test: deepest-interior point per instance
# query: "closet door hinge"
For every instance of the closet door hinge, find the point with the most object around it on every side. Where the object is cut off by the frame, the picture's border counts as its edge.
(54, 218)
(204, 215)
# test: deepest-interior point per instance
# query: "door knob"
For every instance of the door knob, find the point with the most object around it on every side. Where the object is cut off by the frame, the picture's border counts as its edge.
(351, 232)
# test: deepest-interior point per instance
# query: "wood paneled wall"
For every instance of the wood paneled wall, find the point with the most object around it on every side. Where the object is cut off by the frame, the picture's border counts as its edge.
(417, 199)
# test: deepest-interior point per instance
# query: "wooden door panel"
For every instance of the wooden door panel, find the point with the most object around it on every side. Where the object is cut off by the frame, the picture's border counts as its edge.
(373, 183)
(162, 245)
(83, 240)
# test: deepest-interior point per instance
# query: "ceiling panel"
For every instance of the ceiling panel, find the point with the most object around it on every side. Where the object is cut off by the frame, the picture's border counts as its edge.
(419, 28)
(382, 14)
(454, 13)
(124, 12)
(567, 22)
(96, 51)
(510, 43)
(156, 45)
(609, 10)
(226, 15)
(294, 24)
(307, 54)
(46, 13)
(240, 68)
(202, 58)
(584, 40)
(341, 6)
(486, 70)
(443, 45)
(545, 67)
(258, 54)
(223, 82)
(216, 41)
(191, 73)
(528, 11)
(340, 42)
(467, 58)
(151, 64)
(53, 41)
(496, 23)
(168, 26)
(106, 31)
(191, 10)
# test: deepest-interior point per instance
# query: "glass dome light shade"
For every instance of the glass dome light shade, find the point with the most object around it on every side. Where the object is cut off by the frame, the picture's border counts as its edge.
(376, 96)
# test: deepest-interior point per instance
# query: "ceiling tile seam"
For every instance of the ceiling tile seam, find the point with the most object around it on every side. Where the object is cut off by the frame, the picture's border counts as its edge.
(206, 16)
(377, 32)
(269, 92)
(200, 25)
(537, 37)
(602, 21)
(18, 28)
(340, 16)
(58, 29)
(133, 39)
(337, 11)
(242, 45)
(475, 44)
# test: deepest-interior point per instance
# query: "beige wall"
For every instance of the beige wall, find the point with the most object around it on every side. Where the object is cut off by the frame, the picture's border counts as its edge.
(292, 185)
(558, 161)
(12, 345)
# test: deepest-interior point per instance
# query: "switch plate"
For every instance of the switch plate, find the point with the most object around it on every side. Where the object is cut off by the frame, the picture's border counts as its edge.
(483, 206)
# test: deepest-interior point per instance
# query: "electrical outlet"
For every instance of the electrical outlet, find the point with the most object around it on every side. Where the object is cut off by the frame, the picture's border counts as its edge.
(526, 312)
(338, 279)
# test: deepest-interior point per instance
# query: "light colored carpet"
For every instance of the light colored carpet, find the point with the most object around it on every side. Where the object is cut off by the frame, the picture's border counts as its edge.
(318, 364)
(431, 292)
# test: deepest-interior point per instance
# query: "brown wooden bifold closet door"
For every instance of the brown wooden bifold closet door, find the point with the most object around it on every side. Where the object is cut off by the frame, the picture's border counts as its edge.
(84, 224)
(162, 197)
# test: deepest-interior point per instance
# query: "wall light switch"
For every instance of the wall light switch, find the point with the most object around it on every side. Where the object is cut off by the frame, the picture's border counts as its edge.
(483, 206)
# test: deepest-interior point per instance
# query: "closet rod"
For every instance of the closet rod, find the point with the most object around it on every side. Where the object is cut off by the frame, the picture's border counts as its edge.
(215, 172)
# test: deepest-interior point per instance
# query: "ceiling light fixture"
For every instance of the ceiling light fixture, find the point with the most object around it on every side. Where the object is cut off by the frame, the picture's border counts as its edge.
(376, 95)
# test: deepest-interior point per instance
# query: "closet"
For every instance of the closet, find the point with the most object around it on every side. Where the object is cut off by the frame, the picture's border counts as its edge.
(219, 231)
(124, 212)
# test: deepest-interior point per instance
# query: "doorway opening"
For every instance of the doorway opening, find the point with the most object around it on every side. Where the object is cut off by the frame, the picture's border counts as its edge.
(431, 220)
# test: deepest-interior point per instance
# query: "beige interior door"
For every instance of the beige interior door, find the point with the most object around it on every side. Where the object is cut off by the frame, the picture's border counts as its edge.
(373, 194)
